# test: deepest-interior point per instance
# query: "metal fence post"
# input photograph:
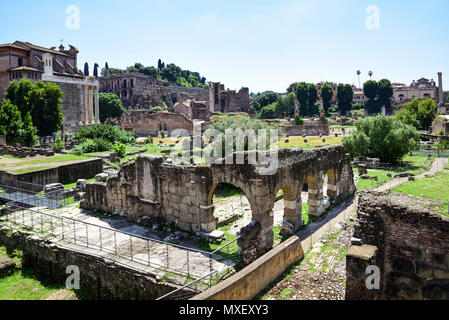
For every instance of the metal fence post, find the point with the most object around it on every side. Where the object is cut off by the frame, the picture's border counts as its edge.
(148, 251)
(166, 249)
(74, 231)
(188, 264)
(115, 242)
(131, 247)
(87, 235)
(101, 239)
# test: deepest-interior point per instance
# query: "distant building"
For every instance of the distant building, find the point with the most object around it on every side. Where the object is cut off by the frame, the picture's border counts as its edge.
(23, 60)
(419, 89)
(227, 101)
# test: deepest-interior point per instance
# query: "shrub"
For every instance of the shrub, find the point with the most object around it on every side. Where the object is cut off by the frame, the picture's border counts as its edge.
(91, 146)
(58, 145)
(120, 148)
(299, 121)
(111, 134)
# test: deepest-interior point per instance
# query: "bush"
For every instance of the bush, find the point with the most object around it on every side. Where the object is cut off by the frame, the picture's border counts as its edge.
(58, 145)
(111, 134)
(299, 121)
(268, 112)
(120, 148)
(91, 146)
(382, 137)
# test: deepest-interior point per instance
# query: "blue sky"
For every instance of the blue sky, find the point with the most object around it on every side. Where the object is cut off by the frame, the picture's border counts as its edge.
(261, 44)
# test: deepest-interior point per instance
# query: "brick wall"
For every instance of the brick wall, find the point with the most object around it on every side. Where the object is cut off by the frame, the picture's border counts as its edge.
(412, 249)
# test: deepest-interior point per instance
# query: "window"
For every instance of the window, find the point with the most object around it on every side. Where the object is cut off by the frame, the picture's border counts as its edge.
(20, 62)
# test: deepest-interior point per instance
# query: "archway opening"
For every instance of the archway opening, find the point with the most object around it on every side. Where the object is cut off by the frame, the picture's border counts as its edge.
(232, 212)
(287, 209)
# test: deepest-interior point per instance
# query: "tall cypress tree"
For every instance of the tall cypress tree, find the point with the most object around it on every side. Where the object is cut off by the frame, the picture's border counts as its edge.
(86, 69)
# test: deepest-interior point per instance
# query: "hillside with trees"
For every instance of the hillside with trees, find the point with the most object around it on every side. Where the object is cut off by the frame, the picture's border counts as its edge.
(170, 73)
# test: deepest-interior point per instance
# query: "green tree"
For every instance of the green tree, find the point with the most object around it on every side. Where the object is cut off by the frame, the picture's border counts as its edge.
(268, 112)
(264, 100)
(10, 122)
(86, 69)
(419, 112)
(41, 100)
(19, 94)
(326, 94)
(312, 99)
(96, 70)
(382, 137)
(302, 94)
(29, 131)
(46, 111)
(345, 96)
(290, 104)
(371, 91)
(110, 106)
(385, 93)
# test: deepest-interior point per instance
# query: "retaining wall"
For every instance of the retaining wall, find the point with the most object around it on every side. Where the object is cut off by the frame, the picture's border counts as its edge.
(246, 284)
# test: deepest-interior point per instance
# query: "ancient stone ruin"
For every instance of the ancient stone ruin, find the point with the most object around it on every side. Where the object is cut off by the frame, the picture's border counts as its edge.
(151, 189)
(407, 242)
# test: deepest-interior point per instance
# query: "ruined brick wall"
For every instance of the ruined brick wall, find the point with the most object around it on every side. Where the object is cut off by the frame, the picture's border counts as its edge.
(440, 124)
(412, 250)
(150, 125)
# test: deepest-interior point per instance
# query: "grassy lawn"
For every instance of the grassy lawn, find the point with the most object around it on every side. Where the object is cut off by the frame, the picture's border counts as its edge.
(312, 142)
(435, 187)
(26, 170)
(24, 284)
(63, 158)
(412, 164)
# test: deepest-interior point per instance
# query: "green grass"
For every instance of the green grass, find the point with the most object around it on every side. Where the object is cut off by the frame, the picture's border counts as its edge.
(229, 252)
(31, 169)
(24, 284)
(73, 185)
(412, 164)
(435, 187)
(63, 158)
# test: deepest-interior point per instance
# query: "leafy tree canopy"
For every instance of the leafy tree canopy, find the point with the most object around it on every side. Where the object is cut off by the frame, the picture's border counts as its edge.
(110, 106)
(382, 137)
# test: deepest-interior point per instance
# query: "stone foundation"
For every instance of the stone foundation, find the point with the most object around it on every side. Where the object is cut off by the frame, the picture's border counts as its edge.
(408, 243)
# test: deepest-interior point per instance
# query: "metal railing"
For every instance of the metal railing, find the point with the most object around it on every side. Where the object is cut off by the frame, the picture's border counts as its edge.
(171, 258)
(27, 198)
(214, 277)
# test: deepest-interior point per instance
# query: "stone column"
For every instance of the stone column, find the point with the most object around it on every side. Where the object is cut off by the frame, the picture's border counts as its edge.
(86, 105)
(316, 195)
(91, 109)
(333, 191)
(292, 216)
(96, 104)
